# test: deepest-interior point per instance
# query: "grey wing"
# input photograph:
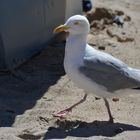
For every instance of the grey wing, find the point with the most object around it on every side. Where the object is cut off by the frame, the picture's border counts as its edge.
(109, 72)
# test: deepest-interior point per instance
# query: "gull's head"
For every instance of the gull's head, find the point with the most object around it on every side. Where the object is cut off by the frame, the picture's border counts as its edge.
(75, 25)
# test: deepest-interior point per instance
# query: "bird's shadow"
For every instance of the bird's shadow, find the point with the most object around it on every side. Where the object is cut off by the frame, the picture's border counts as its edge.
(87, 129)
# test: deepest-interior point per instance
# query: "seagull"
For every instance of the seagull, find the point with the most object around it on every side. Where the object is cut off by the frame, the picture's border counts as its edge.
(93, 70)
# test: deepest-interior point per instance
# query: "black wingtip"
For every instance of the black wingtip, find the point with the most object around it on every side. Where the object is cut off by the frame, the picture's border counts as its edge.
(137, 88)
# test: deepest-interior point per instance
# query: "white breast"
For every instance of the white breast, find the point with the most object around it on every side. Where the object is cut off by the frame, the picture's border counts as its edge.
(74, 54)
(82, 81)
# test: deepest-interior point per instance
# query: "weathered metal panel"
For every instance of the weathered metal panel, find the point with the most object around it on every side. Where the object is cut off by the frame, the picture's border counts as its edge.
(22, 29)
(27, 24)
(73, 7)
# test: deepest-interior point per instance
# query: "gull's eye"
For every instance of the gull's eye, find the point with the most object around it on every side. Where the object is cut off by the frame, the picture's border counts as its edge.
(76, 23)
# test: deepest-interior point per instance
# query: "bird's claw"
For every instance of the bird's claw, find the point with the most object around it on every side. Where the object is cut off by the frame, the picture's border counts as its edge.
(63, 113)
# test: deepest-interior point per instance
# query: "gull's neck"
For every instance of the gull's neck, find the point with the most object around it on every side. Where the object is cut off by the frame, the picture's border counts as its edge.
(75, 48)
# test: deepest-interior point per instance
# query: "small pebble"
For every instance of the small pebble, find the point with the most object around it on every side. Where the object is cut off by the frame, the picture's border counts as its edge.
(114, 46)
(51, 128)
(118, 20)
(97, 98)
(10, 110)
(115, 99)
(123, 33)
(101, 48)
(119, 130)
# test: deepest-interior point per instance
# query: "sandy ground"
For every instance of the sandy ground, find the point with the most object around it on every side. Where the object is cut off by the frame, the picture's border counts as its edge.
(28, 100)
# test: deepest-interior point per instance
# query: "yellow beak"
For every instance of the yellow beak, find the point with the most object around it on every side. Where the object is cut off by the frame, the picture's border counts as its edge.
(61, 28)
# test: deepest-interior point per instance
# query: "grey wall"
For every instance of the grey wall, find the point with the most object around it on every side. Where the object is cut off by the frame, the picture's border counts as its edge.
(73, 7)
(27, 24)
(22, 27)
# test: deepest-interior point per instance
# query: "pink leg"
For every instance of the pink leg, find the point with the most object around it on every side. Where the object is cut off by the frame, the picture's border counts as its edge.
(111, 119)
(64, 112)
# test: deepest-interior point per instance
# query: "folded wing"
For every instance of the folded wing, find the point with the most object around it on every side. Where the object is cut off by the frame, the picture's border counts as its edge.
(110, 72)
